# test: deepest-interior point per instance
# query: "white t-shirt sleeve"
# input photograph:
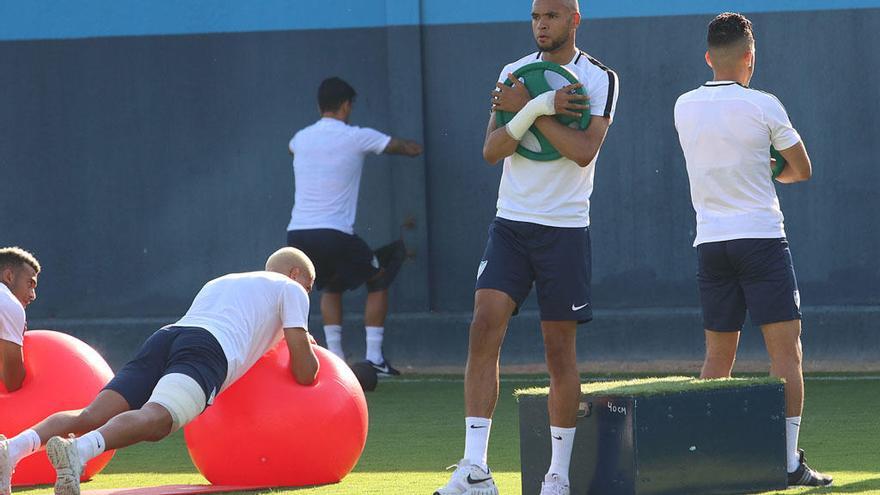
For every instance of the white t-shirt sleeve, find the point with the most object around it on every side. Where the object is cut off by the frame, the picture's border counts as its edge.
(294, 306)
(12, 324)
(504, 71)
(371, 140)
(782, 133)
(603, 89)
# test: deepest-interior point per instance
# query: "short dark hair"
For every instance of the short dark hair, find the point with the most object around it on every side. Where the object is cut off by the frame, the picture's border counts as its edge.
(333, 92)
(15, 256)
(730, 28)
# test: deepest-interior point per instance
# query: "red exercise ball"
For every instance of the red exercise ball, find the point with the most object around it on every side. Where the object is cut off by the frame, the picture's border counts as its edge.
(61, 373)
(267, 430)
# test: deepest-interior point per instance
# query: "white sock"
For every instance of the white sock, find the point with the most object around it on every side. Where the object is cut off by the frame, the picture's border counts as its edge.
(476, 440)
(23, 445)
(562, 442)
(374, 344)
(792, 429)
(333, 336)
(90, 445)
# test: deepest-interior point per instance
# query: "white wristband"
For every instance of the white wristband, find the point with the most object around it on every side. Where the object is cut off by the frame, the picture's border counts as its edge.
(543, 104)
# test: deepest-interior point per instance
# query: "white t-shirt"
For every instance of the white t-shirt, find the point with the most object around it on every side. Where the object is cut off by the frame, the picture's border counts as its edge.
(328, 157)
(725, 131)
(12, 317)
(556, 193)
(246, 313)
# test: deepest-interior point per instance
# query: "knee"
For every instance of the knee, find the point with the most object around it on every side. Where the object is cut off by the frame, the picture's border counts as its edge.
(88, 420)
(561, 358)
(485, 336)
(787, 358)
(159, 422)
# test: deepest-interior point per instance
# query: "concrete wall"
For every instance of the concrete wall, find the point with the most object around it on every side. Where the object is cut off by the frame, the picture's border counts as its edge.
(139, 167)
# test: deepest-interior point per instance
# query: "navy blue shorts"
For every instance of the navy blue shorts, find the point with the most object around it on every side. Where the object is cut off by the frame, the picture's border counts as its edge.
(753, 274)
(555, 259)
(192, 351)
(342, 261)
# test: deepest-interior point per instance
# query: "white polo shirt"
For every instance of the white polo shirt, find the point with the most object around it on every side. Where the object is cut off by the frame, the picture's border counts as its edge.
(725, 131)
(12, 317)
(246, 313)
(328, 158)
(556, 193)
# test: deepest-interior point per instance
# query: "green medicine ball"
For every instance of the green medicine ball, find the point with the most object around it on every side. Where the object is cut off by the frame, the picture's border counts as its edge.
(535, 79)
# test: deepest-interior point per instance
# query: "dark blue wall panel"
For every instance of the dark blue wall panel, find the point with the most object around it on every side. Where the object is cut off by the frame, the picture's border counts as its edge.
(139, 167)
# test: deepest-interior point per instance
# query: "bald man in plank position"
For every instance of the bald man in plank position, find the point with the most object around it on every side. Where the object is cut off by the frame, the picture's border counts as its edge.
(178, 371)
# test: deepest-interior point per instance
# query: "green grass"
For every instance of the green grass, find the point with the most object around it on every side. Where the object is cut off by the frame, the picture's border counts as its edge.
(655, 386)
(417, 430)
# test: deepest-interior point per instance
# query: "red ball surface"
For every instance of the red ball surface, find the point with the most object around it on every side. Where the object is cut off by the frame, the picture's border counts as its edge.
(61, 373)
(267, 430)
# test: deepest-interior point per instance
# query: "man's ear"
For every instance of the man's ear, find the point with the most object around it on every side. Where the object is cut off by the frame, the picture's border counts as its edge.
(708, 59)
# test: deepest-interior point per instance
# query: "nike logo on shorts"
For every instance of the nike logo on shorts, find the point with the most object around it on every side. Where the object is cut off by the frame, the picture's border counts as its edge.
(578, 308)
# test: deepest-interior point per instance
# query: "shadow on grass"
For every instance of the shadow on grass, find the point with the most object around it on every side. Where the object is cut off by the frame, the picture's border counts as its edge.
(863, 486)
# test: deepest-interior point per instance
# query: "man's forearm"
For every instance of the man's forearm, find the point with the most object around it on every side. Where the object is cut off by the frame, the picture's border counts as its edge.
(574, 144)
(499, 145)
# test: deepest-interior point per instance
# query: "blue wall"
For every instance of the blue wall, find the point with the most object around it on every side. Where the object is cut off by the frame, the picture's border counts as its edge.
(144, 151)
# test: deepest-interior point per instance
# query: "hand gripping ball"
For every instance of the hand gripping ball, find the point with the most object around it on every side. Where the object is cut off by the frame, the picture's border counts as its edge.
(61, 373)
(267, 430)
(536, 77)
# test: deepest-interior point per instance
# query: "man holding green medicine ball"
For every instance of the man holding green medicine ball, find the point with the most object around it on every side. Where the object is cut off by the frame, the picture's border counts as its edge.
(540, 235)
(728, 132)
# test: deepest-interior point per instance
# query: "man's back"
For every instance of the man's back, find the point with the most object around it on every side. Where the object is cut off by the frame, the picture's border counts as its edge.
(726, 131)
(246, 312)
(328, 158)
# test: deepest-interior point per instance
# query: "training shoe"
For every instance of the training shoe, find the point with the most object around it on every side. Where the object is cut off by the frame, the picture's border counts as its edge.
(806, 476)
(554, 485)
(5, 467)
(68, 467)
(384, 369)
(468, 479)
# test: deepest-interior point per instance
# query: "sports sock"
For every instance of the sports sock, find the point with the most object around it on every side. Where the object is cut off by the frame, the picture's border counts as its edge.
(90, 445)
(792, 429)
(374, 344)
(476, 440)
(562, 443)
(23, 445)
(333, 336)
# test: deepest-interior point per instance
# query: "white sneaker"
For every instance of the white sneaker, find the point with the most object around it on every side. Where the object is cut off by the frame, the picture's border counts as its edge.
(554, 485)
(68, 467)
(468, 479)
(5, 467)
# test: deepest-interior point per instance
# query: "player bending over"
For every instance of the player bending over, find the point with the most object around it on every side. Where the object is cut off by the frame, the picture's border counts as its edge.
(179, 370)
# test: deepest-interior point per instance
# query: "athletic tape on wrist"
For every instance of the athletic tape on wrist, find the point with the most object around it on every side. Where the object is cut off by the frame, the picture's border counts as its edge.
(543, 104)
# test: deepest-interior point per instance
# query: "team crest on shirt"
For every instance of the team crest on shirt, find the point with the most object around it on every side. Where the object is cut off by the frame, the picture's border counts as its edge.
(481, 268)
(797, 299)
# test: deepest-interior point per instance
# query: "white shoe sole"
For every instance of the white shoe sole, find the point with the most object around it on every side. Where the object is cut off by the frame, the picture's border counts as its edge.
(67, 481)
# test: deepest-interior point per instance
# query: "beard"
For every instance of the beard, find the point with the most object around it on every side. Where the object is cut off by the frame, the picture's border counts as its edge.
(555, 44)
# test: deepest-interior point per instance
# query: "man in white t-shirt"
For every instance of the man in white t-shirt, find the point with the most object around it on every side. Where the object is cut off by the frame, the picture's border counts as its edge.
(178, 371)
(328, 158)
(18, 272)
(540, 235)
(726, 130)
